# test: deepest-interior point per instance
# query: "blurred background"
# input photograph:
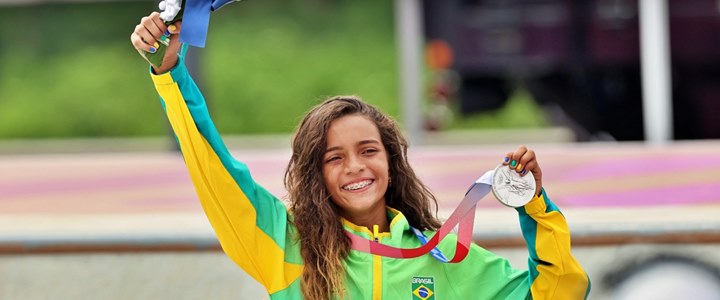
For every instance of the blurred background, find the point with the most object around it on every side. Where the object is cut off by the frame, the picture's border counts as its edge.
(95, 202)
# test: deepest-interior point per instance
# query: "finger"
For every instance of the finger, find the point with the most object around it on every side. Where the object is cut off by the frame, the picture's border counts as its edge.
(143, 29)
(528, 156)
(148, 42)
(174, 28)
(139, 39)
(506, 159)
(159, 24)
(530, 166)
(149, 24)
(514, 160)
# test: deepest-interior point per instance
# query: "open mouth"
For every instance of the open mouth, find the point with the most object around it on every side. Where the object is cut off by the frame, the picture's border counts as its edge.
(357, 185)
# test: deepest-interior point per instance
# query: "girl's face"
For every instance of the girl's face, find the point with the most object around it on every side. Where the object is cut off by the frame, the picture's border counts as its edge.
(355, 166)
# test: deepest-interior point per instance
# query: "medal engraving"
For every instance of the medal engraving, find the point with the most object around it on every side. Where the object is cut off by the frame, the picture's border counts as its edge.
(510, 188)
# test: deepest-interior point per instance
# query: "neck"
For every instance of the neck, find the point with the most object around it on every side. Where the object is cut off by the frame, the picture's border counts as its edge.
(375, 216)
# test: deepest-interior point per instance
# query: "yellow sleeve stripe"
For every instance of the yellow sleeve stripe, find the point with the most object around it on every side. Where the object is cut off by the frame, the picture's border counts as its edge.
(228, 209)
(560, 276)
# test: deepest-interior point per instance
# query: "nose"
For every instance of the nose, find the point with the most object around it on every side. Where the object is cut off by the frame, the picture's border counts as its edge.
(354, 164)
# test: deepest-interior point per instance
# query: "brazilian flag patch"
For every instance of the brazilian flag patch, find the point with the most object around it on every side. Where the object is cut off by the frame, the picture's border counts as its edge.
(423, 288)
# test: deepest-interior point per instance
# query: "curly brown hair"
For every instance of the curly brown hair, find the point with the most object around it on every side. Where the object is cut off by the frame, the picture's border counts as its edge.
(323, 242)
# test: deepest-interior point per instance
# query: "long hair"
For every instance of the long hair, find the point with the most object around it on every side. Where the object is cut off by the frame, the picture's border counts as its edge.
(323, 243)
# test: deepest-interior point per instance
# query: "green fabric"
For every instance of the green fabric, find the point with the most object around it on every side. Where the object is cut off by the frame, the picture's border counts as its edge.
(481, 275)
(272, 216)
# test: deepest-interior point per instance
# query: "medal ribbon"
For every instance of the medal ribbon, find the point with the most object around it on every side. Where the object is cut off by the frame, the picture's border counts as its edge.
(435, 252)
(464, 216)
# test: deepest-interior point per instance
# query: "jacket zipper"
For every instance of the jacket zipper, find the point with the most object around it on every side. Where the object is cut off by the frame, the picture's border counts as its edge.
(377, 268)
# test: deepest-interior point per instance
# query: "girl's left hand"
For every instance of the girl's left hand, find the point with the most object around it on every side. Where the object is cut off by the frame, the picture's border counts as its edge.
(523, 160)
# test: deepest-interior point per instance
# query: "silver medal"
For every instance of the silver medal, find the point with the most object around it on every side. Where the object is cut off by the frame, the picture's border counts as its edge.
(510, 188)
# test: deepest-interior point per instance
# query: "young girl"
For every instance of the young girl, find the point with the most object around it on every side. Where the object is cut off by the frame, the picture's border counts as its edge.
(348, 172)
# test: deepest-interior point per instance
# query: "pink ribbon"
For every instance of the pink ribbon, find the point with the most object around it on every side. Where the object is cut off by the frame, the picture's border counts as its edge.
(464, 215)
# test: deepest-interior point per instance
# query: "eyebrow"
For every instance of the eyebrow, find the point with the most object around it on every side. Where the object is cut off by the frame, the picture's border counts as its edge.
(363, 142)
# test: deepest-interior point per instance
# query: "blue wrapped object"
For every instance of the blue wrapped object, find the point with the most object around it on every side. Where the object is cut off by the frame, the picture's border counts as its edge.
(196, 18)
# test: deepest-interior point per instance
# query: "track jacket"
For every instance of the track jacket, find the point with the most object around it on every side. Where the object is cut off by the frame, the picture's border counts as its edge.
(253, 229)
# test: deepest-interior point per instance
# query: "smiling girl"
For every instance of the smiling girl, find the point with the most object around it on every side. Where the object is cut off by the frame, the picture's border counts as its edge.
(349, 172)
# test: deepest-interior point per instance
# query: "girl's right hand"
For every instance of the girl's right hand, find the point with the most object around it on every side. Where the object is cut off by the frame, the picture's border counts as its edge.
(524, 160)
(147, 35)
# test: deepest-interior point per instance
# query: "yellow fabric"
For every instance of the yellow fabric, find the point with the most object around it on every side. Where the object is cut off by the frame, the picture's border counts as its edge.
(377, 260)
(362, 229)
(256, 248)
(377, 269)
(564, 277)
(231, 214)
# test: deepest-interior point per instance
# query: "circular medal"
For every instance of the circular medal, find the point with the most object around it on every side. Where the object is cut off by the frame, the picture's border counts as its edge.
(510, 188)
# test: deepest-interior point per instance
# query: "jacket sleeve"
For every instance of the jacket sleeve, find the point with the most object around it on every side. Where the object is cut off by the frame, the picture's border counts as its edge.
(251, 224)
(553, 272)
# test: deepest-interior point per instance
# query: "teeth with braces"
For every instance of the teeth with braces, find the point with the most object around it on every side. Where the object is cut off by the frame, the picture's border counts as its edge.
(357, 185)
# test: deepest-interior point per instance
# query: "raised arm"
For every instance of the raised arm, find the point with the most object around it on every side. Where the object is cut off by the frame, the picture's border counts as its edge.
(251, 224)
(554, 272)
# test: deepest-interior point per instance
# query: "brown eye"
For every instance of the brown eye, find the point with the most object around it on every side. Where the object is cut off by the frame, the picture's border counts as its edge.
(369, 151)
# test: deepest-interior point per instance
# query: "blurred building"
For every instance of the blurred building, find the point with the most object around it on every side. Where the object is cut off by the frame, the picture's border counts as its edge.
(579, 59)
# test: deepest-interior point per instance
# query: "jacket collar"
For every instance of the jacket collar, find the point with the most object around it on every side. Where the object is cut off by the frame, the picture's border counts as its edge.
(398, 225)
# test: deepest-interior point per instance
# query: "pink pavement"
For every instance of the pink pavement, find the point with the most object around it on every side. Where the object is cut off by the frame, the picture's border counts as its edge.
(576, 176)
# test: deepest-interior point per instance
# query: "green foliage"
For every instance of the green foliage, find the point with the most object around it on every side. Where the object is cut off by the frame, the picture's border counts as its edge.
(270, 71)
(521, 111)
(69, 69)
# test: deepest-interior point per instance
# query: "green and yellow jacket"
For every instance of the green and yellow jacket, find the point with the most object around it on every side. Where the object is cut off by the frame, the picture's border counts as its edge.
(253, 229)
